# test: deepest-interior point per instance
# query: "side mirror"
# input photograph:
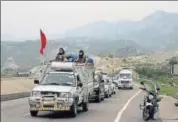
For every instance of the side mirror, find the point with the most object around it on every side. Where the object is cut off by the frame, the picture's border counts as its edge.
(80, 85)
(142, 83)
(158, 89)
(36, 81)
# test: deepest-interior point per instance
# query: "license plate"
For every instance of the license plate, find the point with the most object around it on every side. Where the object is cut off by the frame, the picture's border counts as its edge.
(48, 109)
(62, 108)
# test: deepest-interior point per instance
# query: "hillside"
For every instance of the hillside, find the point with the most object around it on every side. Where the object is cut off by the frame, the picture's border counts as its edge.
(158, 31)
(26, 54)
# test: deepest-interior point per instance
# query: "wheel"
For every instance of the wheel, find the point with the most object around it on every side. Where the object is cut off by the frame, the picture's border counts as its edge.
(110, 95)
(74, 110)
(146, 115)
(85, 106)
(131, 87)
(152, 113)
(102, 98)
(98, 99)
(33, 113)
(107, 95)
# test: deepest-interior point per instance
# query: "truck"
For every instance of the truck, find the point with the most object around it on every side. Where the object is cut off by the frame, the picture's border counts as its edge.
(125, 79)
(64, 86)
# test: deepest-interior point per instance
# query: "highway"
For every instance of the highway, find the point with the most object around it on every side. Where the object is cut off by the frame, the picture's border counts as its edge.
(122, 107)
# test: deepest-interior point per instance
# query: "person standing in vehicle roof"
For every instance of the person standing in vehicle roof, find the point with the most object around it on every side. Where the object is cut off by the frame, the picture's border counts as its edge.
(60, 55)
(81, 57)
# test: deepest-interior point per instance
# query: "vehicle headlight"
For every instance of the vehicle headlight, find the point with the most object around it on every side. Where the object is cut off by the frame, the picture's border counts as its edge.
(35, 94)
(150, 97)
(66, 95)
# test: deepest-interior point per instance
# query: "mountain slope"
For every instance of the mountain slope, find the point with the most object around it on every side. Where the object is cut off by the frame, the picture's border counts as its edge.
(154, 31)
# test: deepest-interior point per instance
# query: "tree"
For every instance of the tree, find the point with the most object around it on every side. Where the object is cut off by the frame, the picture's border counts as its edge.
(172, 62)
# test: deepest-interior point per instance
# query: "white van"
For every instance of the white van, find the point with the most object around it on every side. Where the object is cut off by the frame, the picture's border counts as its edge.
(125, 79)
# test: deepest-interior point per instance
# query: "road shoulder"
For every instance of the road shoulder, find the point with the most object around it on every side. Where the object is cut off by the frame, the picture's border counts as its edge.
(168, 111)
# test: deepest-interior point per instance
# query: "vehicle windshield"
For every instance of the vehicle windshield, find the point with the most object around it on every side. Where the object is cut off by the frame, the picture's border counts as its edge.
(125, 75)
(57, 78)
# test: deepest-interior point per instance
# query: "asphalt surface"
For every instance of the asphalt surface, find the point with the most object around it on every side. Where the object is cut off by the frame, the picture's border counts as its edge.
(106, 111)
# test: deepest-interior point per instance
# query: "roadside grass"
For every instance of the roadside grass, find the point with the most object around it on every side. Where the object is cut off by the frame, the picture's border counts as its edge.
(166, 87)
(169, 91)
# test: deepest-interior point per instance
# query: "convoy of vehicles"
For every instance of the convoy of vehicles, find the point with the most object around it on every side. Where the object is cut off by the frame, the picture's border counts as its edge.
(65, 86)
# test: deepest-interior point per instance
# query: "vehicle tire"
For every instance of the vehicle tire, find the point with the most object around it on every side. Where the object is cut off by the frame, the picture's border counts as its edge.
(85, 106)
(33, 113)
(107, 95)
(102, 98)
(152, 113)
(110, 95)
(131, 88)
(98, 99)
(146, 114)
(73, 110)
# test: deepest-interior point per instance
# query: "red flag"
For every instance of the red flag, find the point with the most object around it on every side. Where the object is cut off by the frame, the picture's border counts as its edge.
(43, 42)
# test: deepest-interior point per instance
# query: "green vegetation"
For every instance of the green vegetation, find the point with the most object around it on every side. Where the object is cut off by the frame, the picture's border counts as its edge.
(160, 75)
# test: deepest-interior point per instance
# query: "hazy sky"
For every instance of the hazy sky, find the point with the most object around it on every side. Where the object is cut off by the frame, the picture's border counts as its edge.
(23, 19)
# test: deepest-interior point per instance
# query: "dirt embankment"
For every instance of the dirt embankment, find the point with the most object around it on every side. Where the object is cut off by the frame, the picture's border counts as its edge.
(16, 85)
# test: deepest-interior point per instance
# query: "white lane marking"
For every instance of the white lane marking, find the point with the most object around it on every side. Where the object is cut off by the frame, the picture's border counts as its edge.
(117, 119)
(136, 85)
(26, 114)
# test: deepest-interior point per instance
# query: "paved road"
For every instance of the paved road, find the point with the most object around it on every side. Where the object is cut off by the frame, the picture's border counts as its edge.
(110, 110)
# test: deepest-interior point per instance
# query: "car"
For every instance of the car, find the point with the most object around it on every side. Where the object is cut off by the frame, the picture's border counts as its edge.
(61, 88)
